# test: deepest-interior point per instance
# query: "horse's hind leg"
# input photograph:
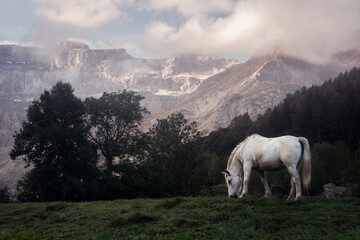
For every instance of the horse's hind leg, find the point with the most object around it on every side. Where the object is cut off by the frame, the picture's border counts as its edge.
(292, 190)
(264, 181)
(295, 181)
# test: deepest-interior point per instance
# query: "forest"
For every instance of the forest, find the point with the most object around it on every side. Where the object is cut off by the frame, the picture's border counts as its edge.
(327, 115)
(92, 149)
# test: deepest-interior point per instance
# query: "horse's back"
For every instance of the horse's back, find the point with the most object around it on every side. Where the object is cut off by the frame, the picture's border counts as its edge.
(289, 150)
(271, 154)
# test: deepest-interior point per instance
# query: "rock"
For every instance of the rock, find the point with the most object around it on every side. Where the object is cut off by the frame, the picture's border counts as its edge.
(333, 191)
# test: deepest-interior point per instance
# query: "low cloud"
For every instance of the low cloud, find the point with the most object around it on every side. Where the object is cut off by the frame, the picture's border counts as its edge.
(311, 29)
(6, 42)
(314, 29)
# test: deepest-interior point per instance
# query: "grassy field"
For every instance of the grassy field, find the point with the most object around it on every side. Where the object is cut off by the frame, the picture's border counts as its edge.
(184, 218)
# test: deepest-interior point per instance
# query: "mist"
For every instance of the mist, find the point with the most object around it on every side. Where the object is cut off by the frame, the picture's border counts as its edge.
(313, 30)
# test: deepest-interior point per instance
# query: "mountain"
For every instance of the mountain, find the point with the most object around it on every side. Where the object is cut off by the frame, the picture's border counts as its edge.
(205, 88)
(254, 86)
(25, 72)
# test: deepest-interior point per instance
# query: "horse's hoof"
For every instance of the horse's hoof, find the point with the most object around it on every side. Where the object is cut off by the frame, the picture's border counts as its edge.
(290, 198)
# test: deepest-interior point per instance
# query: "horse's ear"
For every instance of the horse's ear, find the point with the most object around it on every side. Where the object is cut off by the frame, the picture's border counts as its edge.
(226, 172)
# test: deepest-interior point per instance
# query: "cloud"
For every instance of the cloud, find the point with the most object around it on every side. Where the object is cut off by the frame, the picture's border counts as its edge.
(78, 13)
(312, 29)
(6, 42)
(202, 33)
(131, 43)
(190, 7)
(57, 20)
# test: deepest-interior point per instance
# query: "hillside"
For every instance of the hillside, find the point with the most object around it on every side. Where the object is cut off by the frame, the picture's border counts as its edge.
(327, 115)
(184, 218)
(205, 88)
(25, 72)
(260, 83)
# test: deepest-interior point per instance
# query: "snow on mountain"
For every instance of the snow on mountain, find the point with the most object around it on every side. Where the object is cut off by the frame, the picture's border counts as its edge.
(175, 75)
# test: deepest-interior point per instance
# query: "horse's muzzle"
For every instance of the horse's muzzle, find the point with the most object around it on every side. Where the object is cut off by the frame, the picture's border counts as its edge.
(234, 195)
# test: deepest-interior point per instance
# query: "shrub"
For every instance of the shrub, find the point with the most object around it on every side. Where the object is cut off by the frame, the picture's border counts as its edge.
(5, 196)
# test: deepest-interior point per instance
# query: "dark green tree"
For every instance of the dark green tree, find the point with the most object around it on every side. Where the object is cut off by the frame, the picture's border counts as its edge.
(54, 142)
(173, 166)
(333, 163)
(115, 118)
(5, 196)
(328, 115)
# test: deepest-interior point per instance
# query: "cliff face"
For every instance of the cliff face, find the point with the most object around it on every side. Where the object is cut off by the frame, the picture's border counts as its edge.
(207, 89)
(254, 86)
(26, 72)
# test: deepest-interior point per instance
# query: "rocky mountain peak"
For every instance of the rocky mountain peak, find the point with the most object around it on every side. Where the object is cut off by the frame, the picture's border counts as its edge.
(205, 65)
(269, 56)
(67, 44)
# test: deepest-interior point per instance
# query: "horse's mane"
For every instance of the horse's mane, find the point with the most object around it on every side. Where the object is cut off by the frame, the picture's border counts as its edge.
(236, 148)
(232, 155)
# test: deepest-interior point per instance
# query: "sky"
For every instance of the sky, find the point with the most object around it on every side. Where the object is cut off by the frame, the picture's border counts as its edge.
(313, 29)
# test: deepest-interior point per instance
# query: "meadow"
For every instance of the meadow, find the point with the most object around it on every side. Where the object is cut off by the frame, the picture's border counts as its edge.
(212, 217)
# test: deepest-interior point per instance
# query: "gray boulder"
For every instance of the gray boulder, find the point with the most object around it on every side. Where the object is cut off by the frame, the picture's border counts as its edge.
(333, 191)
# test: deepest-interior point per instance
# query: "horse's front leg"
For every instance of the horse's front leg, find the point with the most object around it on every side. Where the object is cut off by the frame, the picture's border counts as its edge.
(264, 181)
(247, 173)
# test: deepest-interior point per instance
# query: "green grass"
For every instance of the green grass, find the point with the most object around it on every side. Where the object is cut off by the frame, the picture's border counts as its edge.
(184, 218)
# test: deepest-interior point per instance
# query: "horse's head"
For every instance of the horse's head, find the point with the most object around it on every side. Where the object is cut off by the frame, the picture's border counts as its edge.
(233, 182)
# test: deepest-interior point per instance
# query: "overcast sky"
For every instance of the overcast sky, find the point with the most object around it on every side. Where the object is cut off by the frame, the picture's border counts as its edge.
(153, 28)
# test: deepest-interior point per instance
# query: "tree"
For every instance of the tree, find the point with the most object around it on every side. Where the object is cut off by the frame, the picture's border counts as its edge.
(327, 115)
(114, 118)
(5, 196)
(172, 157)
(54, 141)
(333, 163)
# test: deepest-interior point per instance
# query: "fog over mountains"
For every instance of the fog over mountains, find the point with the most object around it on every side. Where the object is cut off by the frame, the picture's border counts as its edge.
(205, 88)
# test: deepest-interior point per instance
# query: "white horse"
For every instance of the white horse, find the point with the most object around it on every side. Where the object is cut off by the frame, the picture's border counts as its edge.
(268, 154)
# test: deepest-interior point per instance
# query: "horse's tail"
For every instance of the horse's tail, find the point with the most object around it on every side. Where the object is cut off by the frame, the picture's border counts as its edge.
(306, 163)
